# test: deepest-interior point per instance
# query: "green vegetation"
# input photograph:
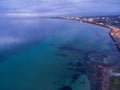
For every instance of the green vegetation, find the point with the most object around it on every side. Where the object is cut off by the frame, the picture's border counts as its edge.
(114, 83)
(117, 71)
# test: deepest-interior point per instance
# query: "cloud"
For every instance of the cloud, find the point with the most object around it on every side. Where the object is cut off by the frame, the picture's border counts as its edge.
(9, 40)
(60, 7)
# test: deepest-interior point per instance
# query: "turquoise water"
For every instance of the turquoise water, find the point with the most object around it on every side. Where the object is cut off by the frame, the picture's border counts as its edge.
(43, 54)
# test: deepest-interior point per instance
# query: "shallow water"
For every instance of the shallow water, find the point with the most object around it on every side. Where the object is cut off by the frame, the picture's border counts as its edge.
(46, 54)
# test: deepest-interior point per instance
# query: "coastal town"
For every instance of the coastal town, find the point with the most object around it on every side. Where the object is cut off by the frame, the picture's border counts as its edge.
(105, 77)
(112, 22)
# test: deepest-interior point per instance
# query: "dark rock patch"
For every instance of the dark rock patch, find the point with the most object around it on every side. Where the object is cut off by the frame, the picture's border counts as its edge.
(61, 55)
(66, 88)
(75, 77)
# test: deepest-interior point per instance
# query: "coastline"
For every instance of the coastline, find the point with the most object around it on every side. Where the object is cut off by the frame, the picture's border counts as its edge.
(100, 79)
(112, 34)
(114, 31)
(104, 70)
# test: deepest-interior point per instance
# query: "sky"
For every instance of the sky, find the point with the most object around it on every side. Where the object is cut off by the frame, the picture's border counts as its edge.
(59, 7)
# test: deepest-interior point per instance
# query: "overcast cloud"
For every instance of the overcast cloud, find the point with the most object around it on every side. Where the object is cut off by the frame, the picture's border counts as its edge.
(60, 7)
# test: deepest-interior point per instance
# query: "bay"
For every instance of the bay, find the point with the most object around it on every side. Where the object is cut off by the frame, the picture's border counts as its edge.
(42, 54)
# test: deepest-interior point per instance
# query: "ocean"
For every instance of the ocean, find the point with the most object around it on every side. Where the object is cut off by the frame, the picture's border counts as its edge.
(50, 54)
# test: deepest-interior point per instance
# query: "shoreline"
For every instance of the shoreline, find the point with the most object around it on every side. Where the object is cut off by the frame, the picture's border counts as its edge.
(114, 31)
(105, 78)
(104, 70)
(100, 79)
(112, 34)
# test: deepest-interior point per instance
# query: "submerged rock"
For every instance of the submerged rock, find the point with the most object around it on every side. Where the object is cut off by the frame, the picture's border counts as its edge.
(66, 88)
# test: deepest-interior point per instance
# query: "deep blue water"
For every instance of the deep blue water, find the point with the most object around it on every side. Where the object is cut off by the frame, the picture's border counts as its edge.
(41, 54)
